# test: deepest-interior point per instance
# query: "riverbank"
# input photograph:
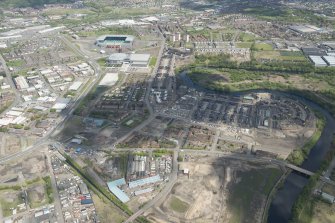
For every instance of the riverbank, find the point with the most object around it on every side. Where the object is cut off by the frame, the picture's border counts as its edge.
(304, 207)
(281, 206)
(298, 156)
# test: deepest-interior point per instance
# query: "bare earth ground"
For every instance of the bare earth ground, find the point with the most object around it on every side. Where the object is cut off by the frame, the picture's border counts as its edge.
(227, 191)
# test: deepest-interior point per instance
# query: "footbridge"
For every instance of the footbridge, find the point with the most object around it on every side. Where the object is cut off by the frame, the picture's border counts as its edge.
(309, 173)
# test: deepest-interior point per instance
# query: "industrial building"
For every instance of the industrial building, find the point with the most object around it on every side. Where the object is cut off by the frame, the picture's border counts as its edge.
(313, 51)
(135, 60)
(113, 187)
(144, 181)
(109, 79)
(60, 104)
(318, 61)
(75, 86)
(144, 191)
(115, 41)
(21, 83)
(330, 60)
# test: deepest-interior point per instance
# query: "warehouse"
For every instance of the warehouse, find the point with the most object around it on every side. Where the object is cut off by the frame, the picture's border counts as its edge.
(318, 61)
(113, 186)
(21, 83)
(75, 86)
(115, 41)
(144, 181)
(109, 79)
(314, 51)
(330, 60)
(61, 104)
(135, 60)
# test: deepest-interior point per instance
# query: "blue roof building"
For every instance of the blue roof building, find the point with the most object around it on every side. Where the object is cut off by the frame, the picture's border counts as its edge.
(113, 187)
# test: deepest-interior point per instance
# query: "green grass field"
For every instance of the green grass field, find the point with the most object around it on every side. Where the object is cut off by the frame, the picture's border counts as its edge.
(132, 121)
(178, 205)
(247, 37)
(279, 55)
(262, 47)
(153, 61)
(244, 44)
(15, 63)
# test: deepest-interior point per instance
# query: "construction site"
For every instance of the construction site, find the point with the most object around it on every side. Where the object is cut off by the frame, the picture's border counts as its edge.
(212, 189)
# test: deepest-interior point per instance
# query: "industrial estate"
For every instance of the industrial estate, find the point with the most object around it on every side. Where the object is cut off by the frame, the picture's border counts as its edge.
(167, 111)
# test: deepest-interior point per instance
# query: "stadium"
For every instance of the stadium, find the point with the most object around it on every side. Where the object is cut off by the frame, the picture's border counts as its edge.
(115, 41)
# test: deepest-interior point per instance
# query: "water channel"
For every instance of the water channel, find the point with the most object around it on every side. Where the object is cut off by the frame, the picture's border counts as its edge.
(281, 206)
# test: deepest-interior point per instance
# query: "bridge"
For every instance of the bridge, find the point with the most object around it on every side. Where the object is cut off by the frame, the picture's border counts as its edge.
(299, 169)
(309, 173)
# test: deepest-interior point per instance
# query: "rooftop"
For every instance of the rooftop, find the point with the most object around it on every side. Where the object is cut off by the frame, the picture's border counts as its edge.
(127, 38)
(129, 57)
(113, 187)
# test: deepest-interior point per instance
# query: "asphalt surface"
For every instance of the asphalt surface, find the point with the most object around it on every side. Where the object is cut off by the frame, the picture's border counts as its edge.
(68, 112)
(10, 81)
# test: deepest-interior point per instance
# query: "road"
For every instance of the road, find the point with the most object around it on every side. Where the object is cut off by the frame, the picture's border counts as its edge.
(11, 83)
(161, 196)
(67, 114)
(146, 98)
(57, 202)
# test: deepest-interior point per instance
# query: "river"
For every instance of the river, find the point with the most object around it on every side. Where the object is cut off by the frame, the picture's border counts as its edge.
(281, 205)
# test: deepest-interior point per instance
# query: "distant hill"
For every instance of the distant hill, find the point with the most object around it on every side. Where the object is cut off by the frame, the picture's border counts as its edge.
(31, 3)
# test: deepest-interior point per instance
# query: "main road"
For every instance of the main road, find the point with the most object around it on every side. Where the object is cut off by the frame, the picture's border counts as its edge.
(11, 83)
(66, 114)
(146, 98)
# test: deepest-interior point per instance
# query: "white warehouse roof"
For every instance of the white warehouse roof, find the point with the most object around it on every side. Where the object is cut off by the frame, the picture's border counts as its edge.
(129, 57)
(330, 60)
(75, 86)
(318, 61)
(109, 79)
(21, 82)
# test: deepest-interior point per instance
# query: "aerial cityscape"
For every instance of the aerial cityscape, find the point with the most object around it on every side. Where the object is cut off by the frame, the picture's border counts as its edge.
(167, 111)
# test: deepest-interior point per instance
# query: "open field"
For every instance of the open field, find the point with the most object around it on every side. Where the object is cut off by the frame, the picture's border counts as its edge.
(323, 212)
(178, 205)
(106, 211)
(252, 188)
(9, 200)
(279, 55)
(244, 44)
(227, 191)
(262, 47)
(10, 144)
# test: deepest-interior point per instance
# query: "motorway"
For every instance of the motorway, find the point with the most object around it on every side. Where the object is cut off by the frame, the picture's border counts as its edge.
(67, 113)
(11, 83)
(166, 190)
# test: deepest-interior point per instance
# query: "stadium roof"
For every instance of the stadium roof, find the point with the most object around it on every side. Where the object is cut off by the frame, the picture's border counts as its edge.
(127, 37)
